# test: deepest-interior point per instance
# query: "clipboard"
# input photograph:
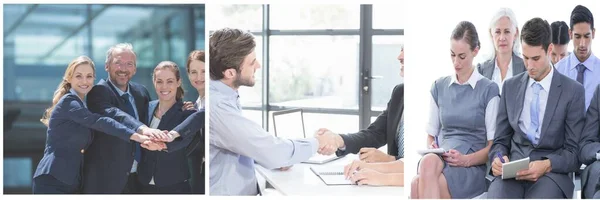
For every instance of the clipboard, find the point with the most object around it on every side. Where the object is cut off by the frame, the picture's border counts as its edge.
(438, 151)
(510, 169)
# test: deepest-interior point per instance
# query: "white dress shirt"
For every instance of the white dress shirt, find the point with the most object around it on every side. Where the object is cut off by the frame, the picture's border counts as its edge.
(525, 119)
(497, 76)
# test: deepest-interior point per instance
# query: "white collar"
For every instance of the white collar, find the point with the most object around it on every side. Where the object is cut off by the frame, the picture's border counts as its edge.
(546, 82)
(509, 69)
(473, 79)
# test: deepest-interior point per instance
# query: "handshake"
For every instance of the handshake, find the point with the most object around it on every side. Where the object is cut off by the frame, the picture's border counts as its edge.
(329, 142)
(153, 139)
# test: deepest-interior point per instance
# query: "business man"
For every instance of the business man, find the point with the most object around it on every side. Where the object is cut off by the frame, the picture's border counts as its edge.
(590, 148)
(110, 164)
(541, 117)
(384, 130)
(235, 141)
(582, 65)
(560, 40)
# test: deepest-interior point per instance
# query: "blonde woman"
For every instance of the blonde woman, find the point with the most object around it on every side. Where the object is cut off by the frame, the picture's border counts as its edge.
(68, 136)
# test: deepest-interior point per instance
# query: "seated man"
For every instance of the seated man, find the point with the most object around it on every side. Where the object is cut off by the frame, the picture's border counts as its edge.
(590, 148)
(541, 117)
(236, 142)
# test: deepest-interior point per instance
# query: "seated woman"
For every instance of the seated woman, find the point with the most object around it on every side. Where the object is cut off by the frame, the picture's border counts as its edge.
(166, 172)
(68, 136)
(504, 60)
(382, 173)
(463, 113)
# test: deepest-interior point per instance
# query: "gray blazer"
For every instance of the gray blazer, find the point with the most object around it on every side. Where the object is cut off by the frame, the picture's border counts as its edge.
(589, 145)
(487, 68)
(561, 127)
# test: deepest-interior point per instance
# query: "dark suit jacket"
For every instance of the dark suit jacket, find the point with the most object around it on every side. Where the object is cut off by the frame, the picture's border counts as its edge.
(590, 137)
(69, 136)
(487, 68)
(108, 160)
(561, 127)
(382, 131)
(167, 168)
(589, 144)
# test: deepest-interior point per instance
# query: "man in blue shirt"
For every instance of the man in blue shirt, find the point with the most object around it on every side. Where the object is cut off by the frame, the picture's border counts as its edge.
(236, 142)
(582, 65)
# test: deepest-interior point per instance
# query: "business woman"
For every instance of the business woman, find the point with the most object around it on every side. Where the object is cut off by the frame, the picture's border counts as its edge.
(68, 136)
(387, 172)
(195, 70)
(162, 172)
(504, 60)
(462, 113)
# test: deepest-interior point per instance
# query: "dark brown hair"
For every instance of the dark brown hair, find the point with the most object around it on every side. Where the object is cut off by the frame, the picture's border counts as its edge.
(228, 48)
(175, 69)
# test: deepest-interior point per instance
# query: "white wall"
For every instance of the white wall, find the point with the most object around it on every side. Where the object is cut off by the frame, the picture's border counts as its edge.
(428, 43)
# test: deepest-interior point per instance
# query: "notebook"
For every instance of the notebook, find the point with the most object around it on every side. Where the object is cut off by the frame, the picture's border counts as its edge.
(331, 175)
(510, 169)
(436, 151)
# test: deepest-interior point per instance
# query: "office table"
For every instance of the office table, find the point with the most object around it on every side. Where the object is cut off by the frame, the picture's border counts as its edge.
(300, 180)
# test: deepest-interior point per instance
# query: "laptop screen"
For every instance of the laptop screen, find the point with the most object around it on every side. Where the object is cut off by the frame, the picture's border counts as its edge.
(289, 124)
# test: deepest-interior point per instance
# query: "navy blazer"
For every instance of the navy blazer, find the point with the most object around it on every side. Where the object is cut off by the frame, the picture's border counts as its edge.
(170, 167)
(69, 136)
(382, 131)
(191, 127)
(108, 160)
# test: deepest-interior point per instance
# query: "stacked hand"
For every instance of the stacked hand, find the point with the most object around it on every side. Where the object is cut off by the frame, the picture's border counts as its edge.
(153, 139)
(329, 142)
(188, 105)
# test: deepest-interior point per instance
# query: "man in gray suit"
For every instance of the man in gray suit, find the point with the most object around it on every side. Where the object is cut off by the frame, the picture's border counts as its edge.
(541, 116)
(590, 147)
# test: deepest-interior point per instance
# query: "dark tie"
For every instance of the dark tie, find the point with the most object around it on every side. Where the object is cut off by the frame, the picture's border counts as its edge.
(129, 110)
(580, 69)
(400, 137)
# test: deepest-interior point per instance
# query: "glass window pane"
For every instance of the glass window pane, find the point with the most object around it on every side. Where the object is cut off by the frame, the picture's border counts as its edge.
(307, 16)
(334, 122)
(17, 172)
(242, 16)
(305, 73)
(388, 16)
(387, 68)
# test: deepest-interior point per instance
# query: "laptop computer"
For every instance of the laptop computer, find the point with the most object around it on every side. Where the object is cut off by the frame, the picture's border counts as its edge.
(289, 124)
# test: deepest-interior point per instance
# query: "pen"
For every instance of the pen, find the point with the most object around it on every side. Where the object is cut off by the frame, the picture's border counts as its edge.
(500, 156)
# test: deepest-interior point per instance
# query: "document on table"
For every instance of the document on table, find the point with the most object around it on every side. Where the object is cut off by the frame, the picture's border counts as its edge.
(331, 175)
(510, 169)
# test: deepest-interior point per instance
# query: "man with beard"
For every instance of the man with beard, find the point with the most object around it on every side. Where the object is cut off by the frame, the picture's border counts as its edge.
(236, 142)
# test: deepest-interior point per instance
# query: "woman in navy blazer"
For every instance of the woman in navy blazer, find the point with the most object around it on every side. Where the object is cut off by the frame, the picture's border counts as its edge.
(195, 70)
(68, 136)
(166, 172)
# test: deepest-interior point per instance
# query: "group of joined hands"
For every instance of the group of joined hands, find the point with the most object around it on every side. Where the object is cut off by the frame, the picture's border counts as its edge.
(155, 139)
(362, 171)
